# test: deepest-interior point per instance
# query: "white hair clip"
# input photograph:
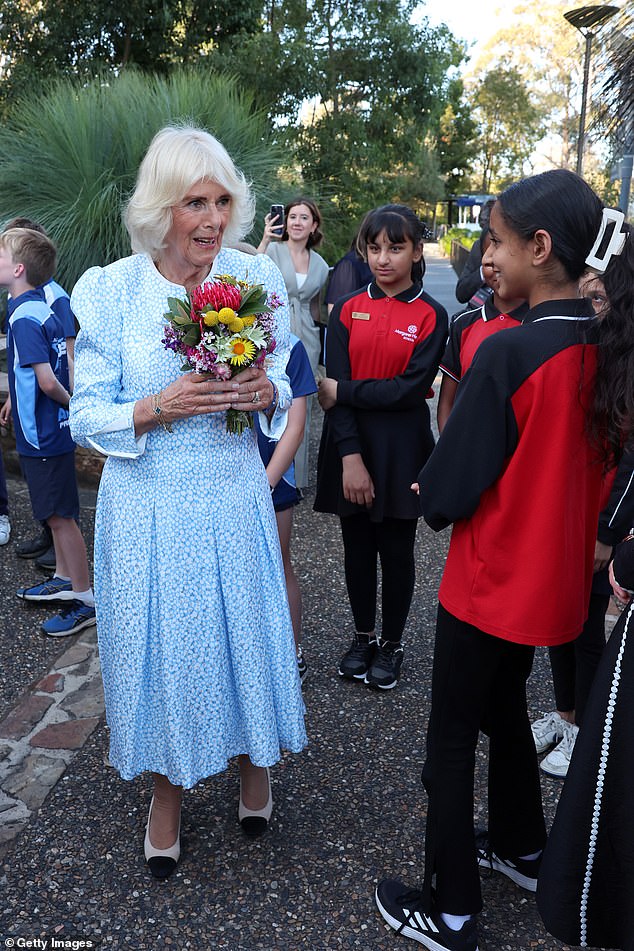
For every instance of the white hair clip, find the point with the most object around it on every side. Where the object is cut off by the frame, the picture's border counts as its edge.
(614, 245)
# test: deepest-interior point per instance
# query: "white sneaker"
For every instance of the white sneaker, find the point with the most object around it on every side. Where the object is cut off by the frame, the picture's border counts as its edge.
(548, 731)
(558, 760)
(5, 529)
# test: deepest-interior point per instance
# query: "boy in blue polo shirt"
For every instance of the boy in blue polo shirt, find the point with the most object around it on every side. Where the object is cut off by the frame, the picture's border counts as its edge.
(59, 302)
(39, 387)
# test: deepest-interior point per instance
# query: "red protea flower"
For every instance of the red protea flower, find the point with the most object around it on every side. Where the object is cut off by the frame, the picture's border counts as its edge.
(217, 295)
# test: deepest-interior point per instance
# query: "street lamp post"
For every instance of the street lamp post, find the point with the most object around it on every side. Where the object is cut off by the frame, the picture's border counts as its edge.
(584, 19)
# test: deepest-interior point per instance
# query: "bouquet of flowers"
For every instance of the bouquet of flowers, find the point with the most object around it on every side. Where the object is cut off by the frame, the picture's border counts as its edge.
(220, 328)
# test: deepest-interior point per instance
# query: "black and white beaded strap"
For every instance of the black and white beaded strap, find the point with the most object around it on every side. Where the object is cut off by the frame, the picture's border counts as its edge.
(598, 794)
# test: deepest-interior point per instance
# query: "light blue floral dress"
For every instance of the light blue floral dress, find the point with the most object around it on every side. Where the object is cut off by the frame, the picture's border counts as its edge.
(195, 637)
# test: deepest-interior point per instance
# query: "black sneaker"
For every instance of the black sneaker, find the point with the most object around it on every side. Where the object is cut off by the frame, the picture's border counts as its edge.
(385, 667)
(523, 872)
(35, 546)
(47, 561)
(402, 909)
(302, 666)
(355, 662)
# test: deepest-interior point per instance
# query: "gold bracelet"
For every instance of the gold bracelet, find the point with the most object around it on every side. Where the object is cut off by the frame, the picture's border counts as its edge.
(158, 412)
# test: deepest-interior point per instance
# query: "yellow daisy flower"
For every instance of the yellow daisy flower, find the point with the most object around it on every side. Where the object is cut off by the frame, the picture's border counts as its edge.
(242, 350)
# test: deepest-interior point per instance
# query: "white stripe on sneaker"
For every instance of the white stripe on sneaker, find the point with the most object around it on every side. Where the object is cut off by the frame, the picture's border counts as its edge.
(422, 920)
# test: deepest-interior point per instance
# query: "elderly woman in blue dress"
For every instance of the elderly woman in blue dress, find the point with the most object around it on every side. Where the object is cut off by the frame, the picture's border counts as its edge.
(195, 637)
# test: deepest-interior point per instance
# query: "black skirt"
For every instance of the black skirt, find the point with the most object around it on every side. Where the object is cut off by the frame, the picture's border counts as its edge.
(585, 893)
(394, 446)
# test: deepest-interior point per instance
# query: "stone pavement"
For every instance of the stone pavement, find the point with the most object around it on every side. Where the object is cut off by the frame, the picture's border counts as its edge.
(41, 736)
(348, 811)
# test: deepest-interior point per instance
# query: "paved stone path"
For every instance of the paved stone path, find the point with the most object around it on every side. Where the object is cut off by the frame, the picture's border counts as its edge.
(41, 736)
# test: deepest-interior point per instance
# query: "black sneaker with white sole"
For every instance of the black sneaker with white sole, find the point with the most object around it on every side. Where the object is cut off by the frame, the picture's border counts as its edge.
(355, 662)
(402, 909)
(385, 667)
(523, 872)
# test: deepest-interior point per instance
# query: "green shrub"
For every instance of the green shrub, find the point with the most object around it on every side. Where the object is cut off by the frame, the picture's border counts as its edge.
(465, 236)
(70, 160)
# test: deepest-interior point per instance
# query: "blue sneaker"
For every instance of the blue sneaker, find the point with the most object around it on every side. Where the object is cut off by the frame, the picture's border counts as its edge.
(74, 618)
(52, 590)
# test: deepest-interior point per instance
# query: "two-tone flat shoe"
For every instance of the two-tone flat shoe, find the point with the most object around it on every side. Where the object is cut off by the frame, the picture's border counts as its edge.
(162, 862)
(255, 821)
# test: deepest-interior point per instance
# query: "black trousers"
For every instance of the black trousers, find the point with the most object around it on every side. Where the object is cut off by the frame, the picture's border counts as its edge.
(478, 683)
(392, 542)
(575, 664)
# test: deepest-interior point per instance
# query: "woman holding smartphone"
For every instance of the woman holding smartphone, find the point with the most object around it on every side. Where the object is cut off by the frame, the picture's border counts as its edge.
(305, 272)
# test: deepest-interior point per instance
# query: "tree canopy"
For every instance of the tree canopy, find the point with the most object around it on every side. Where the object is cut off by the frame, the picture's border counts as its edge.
(360, 96)
(40, 39)
(86, 142)
(357, 91)
(509, 126)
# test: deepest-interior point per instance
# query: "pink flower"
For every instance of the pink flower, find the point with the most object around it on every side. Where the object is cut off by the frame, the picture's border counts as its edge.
(217, 295)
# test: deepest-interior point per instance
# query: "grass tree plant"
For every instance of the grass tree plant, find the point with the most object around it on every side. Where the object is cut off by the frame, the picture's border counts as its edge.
(69, 160)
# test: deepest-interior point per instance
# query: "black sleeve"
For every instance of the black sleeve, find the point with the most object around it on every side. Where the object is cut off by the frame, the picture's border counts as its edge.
(480, 434)
(470, 280)
(617, 518)
(409, 388)
(343, 280)
(341, 419)
(624, 564)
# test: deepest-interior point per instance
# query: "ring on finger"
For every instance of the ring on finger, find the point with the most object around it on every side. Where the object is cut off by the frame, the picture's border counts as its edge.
(256, 397)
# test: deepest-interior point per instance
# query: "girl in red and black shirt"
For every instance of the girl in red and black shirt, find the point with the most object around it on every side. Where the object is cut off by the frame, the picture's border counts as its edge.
(382, 352)
(519, 478)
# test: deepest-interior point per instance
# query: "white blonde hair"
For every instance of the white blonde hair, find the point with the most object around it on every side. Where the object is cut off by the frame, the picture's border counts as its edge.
(177, 158)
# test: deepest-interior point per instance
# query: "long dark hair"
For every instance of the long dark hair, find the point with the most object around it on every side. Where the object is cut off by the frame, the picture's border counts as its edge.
(400, 224)
(612, 418)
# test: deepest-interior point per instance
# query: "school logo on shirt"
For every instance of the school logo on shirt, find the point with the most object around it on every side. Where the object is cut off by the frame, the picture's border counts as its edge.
(410, 334)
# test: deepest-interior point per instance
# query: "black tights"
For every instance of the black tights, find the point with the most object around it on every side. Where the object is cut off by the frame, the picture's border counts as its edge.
(392, 540)
(575, 664)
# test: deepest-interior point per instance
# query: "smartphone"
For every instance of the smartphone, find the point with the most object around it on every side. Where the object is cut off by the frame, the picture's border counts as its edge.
(277, 211)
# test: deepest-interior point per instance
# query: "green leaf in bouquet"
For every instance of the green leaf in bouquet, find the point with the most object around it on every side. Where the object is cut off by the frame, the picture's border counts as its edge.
(255, 335)
(179, 308)
(181, 321)
(255, 311)
(255, 297)
(191, 338)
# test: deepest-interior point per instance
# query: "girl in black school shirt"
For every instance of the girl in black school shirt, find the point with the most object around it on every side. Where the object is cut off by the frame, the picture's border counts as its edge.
(519, 476)
(382, 351)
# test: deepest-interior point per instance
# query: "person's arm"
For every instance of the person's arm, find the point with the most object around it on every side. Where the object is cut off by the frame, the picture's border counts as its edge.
(622, 570)
(343, 281)
(5, 412)
(267, 273)
(269, 234)
(409, 388)
(289, 442)
(315, 310)
(471, 278)
(100, 416)
(50, 385)
(70, 355)
(617, 518)
(446, 399)
(479, 436)
(357, 482)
